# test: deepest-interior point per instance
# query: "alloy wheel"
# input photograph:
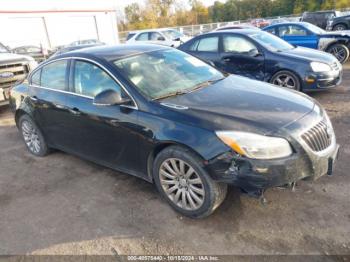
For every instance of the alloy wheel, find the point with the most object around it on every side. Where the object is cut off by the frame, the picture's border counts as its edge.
(339, 52)
(181, 183)
(339, 28)
(31, 137)
(284, 80)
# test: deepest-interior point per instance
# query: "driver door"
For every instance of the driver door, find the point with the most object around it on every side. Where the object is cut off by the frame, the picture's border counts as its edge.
(105, 134)
(298, 36)
(241, 56)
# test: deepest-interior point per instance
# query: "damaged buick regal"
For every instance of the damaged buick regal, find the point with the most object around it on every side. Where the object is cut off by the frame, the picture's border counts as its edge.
(164, 116)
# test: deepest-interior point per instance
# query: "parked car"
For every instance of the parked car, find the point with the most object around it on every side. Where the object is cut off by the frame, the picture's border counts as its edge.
(86, 42)
(265, 57)
(319, 18)
(38, 53)
(339, 23)
(167, 37)
(311, 36)
(165, 116)
(72, 48)
(13, 68)
(260, 23)
(238, 26)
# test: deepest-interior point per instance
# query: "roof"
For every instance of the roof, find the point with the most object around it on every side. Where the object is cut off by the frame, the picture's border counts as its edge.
(114, 52)
(243, 31)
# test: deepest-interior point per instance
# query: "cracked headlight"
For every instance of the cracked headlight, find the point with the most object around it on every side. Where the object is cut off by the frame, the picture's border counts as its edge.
(256, 146)
(320, 67)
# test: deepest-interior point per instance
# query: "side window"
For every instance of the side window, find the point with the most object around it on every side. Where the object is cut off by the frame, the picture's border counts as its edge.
(292, 30)
(155, 36)
(36, 78)
(142, 37)
(208, 44)
(237, 44)
(271, 31)
(90, 80)
(54, 75)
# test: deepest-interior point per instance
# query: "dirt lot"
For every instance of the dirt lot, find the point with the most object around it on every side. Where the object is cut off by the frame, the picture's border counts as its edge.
(63, 205)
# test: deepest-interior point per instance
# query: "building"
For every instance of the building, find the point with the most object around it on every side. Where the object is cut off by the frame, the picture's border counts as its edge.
(54, 27)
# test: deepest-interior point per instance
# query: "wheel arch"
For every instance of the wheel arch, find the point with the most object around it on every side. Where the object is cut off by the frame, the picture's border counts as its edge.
(159, 148)
(340, 23)
(345, 42)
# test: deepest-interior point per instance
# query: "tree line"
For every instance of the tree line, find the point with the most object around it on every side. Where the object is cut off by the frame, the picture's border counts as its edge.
(169, 13)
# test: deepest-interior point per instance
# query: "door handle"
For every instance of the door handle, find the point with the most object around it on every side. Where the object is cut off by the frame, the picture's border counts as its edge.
(74, 111)
(33, 98)
(226, 59)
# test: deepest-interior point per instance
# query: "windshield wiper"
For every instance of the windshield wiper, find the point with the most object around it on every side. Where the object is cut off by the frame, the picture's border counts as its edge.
(187, 91)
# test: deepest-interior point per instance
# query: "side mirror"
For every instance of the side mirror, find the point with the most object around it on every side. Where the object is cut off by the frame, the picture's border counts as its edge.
(109, 98)
(177, 39)
(161, 38)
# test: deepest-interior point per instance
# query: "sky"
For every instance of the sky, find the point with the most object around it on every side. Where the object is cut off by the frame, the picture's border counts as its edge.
(72, 4)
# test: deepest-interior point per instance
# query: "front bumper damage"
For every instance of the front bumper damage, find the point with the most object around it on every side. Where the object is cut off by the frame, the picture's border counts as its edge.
(254, 176)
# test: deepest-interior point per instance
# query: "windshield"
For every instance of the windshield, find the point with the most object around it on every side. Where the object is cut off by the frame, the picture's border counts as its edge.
(270, 41)
(165, 72)
(172, 34)
(314, 29)
(3, 49)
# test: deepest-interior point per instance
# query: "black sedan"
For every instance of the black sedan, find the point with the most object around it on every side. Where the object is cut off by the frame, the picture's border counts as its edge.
(263, 56)
(171, 119)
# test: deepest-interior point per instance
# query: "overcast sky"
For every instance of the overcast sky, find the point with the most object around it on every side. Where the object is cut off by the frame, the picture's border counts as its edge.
(72, 4)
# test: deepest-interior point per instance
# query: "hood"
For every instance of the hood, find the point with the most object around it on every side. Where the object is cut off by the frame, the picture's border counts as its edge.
(238, 103)
(13, 58)
(310, 55)
(345, 33)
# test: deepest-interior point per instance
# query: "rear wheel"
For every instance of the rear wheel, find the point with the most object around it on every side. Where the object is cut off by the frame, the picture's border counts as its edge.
(32, 136)
(340, 27)
(340, 51)
(182, 181)
(286, 79)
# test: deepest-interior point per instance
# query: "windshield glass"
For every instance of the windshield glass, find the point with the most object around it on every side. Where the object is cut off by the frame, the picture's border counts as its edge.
(270, 41)
(164, 72)
(314, 29)
(3, 49)
(172, 34)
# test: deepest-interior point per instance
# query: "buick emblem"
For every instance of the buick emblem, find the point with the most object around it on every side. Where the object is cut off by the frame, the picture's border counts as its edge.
(6, 75)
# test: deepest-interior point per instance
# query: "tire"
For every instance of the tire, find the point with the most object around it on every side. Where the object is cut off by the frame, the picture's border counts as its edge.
(286, 79)
(32, 136)
(340, 27)
(340, 51)
(209, 193)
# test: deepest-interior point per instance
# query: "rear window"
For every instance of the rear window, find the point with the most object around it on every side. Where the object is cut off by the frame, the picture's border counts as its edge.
(130, 35)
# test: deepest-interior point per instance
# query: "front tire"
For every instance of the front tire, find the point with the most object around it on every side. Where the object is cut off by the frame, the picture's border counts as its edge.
(286, 79)
(340, 51)
(340, 27)
(32, 136)
(182, 181)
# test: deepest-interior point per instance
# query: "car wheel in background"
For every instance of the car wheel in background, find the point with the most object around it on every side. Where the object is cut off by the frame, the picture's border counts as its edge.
(181, 179)
(286, 79)
(340, 27)
(340, 51)
(32, 136)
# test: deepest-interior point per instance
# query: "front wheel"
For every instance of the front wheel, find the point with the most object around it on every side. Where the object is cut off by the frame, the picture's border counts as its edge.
(182, 181)
(340, 27)
(340, 51)
(286, 79)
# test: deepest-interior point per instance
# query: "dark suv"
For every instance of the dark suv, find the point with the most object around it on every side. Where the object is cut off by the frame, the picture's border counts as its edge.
(339, 23)
(320, 18)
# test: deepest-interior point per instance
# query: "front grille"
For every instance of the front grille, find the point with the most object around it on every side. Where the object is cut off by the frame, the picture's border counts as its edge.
(319, 137)
(19, 70)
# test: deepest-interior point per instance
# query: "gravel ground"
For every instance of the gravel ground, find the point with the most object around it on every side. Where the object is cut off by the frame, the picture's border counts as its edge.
(61, 204)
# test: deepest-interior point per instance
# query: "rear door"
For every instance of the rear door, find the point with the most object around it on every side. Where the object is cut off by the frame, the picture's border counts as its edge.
(239, 55)
(298, 36)
(206, 48)
(48, 95)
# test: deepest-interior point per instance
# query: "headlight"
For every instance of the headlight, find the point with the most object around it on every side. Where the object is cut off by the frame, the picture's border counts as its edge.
(32, 65)
(255, 146)
(320, 67)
